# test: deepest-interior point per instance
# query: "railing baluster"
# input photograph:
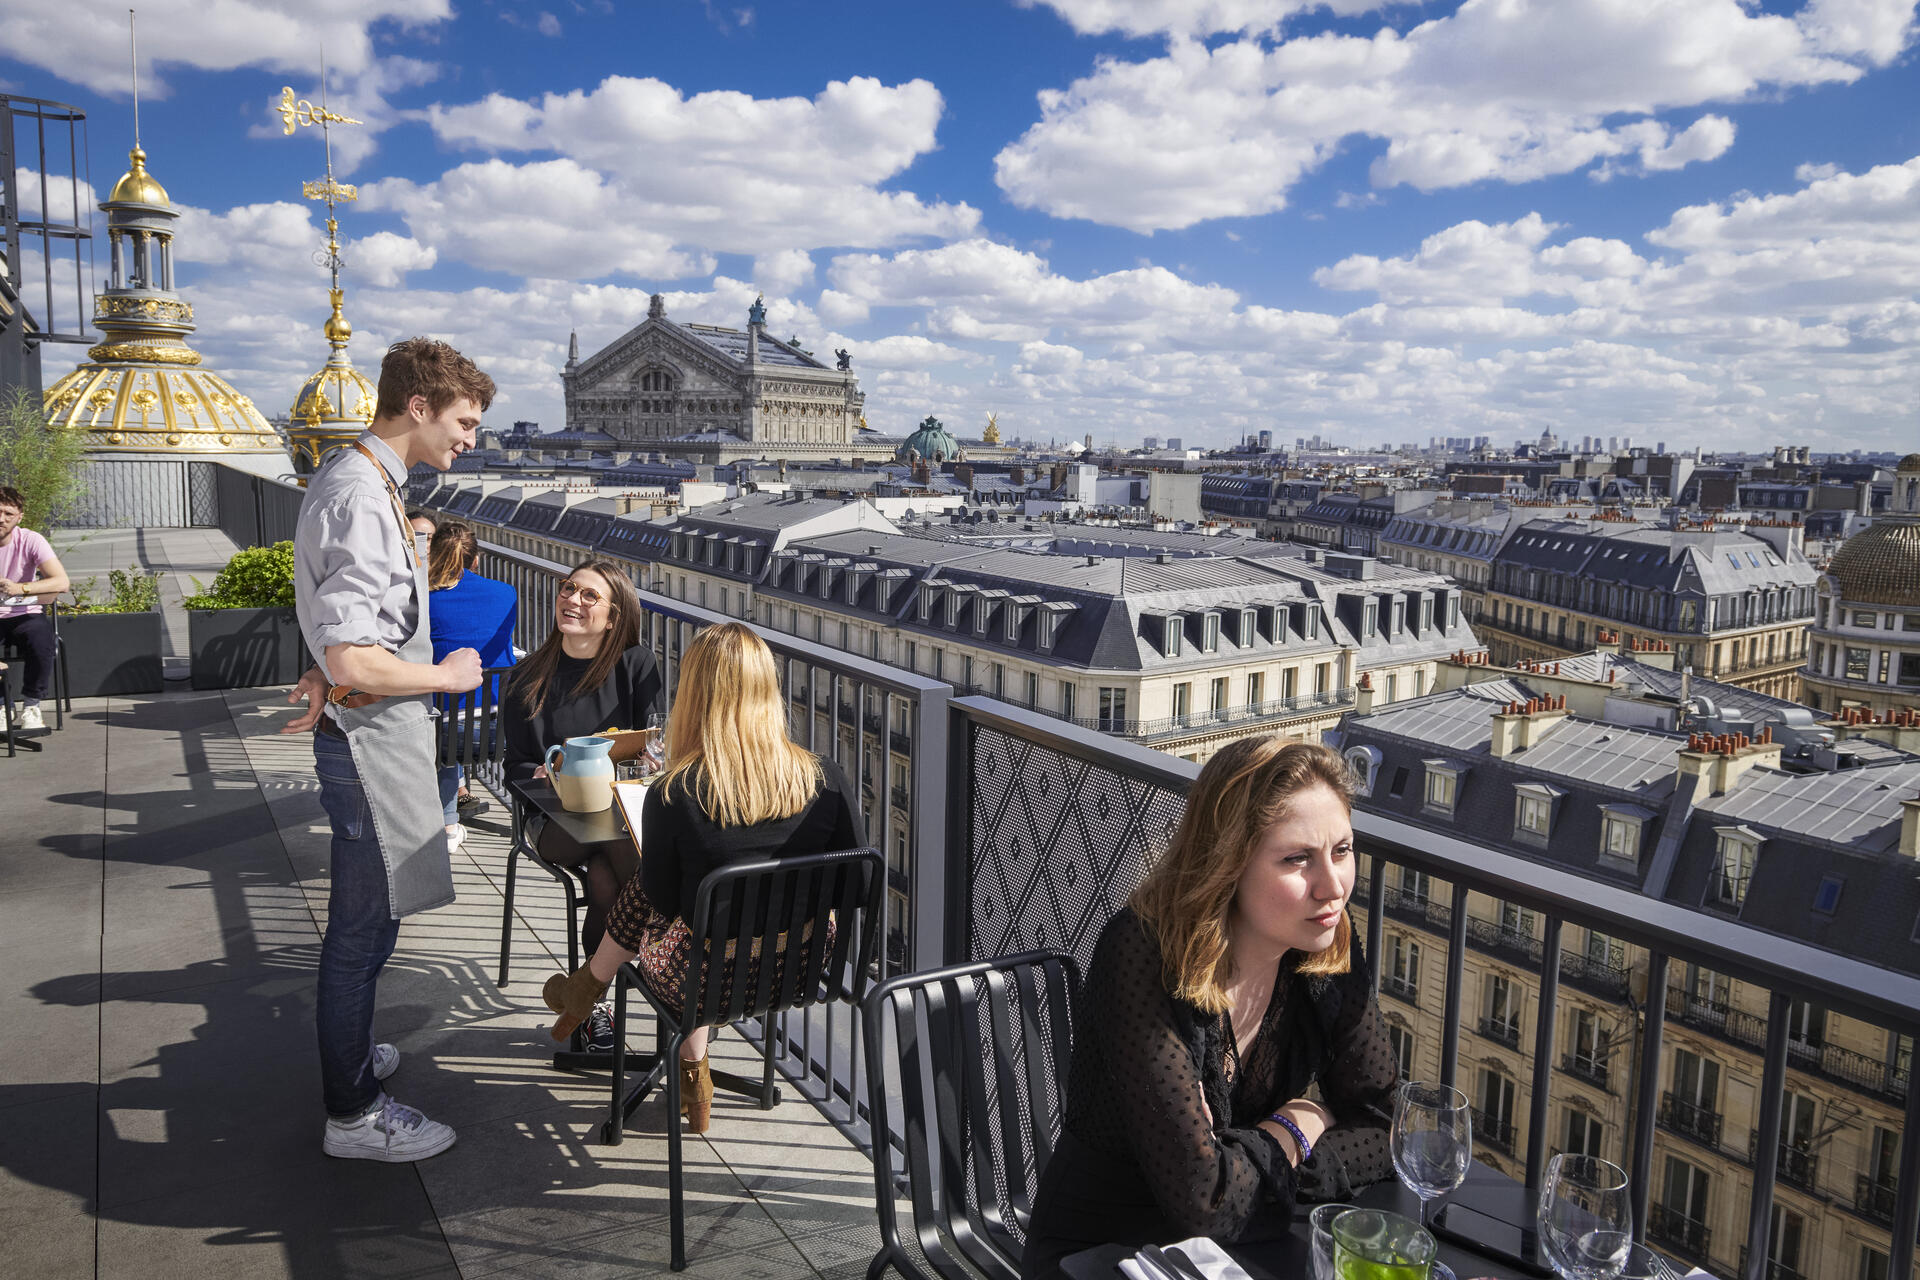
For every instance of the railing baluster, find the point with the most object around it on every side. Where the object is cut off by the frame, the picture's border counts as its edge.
(1456, 978)
(1545, 1018)
(1766, 1159)
(1376, 916)
(1647, 1090)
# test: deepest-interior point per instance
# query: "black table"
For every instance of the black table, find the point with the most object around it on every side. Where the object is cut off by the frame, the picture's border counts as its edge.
(1291, 1257)
(536, 798)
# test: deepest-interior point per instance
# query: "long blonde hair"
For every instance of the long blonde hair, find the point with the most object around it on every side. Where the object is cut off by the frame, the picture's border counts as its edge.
(727, 743)
(1186, 900)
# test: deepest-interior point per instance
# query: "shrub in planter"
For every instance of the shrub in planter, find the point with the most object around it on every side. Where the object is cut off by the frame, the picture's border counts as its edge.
(113, 645)
(242, 629)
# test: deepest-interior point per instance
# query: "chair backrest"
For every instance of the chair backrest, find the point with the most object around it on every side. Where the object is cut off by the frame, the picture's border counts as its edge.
(782, 933)
(974, 1080)
(469, 733)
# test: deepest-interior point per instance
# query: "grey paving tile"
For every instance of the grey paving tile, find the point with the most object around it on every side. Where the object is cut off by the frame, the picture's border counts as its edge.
(47, 1153)
(54, 1246)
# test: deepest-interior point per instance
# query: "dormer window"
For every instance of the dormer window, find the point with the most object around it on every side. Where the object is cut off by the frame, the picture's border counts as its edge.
(1364, 762)
(1621, 828)
(1533, 812)
(1209, 632)
(1426, 614)
(1248, 632)
(1736, 851)
(1399, 616)
(856, 581)
(1440, 793)
(956, 596)
(1310, 621)
(1052, 615)
(928, 591)
(1170, 635)
(1370, 618)
(1014, 615)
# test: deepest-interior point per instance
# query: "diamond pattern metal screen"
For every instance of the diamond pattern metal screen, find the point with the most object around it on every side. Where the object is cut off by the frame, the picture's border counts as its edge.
(1057, 846)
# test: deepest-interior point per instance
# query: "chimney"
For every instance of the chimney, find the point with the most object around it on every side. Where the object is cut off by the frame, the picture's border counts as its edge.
(1519, 725)
(1017, 476)
(1720, 760)
(963, 475)
(1363, 694)
(1910, 828)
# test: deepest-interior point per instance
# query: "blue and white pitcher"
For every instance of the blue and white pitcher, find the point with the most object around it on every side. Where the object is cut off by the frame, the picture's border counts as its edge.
(582, 772)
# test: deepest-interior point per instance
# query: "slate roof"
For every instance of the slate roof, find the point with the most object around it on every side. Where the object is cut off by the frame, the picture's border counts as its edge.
(732, 343)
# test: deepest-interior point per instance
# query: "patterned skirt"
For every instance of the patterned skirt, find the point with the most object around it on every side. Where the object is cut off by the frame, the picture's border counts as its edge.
(664, 947)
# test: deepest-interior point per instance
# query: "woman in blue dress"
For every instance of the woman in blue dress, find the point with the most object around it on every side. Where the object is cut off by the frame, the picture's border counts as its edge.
(466, 611)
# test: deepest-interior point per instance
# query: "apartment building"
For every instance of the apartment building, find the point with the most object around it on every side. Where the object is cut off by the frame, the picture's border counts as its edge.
(1459, 536)
(1866, 630)
(1617, 769)
(1734, 603)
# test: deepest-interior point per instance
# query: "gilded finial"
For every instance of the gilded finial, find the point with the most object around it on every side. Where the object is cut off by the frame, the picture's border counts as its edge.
(338, 331)
(295, 112)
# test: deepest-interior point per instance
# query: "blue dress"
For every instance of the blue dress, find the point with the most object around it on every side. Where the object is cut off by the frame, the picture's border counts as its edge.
(474, 613)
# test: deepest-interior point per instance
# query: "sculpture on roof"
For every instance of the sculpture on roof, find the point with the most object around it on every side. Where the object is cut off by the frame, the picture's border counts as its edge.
(757, 313)
(992, 434)
(843, 361)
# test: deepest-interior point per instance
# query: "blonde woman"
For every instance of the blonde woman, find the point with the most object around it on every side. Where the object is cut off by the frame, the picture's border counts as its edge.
(1228, 985)
(735, 789)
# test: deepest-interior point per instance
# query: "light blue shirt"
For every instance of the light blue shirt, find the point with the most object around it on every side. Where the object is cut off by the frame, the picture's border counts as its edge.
(352, 567)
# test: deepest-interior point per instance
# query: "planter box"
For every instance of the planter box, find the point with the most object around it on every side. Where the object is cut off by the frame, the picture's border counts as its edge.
(244, 648)
(112, 653)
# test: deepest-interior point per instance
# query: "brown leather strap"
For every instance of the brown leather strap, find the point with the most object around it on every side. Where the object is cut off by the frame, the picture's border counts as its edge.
(399, 507)
(345, 695)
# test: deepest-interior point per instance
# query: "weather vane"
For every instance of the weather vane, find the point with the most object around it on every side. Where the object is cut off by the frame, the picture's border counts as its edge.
(294, 113)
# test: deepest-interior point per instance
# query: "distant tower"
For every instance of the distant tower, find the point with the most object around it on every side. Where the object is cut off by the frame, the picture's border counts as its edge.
(144, 394)
(573, 349)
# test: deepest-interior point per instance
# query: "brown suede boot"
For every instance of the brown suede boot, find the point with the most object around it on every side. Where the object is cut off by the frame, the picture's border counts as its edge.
(696, 1094)
(572, 996)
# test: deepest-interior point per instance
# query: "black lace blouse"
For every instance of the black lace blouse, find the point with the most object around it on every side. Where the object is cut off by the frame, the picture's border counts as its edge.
(1138, 1160)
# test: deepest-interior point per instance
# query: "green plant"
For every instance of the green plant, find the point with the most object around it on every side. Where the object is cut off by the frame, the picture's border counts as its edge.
(256, 578)
(134, 590)
(45, 464)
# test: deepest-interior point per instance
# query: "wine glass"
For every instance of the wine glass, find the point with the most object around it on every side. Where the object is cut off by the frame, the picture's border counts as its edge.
(1432, 1139)
(655, 750)
(1585, 1218)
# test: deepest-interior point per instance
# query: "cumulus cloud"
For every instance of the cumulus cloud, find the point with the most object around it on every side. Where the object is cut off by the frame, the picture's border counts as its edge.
(383, 259)
(723, 169)
(1500, 90)
(1188, 17)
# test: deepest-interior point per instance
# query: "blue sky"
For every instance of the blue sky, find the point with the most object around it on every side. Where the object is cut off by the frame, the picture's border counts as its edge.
(1688, 220)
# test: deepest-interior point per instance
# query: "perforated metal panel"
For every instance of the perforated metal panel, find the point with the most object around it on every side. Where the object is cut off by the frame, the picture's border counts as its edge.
(130, 495)
(203, 498)
(1058, 844)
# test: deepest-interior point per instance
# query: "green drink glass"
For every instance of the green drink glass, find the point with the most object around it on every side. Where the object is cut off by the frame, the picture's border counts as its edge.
(1371, 1244)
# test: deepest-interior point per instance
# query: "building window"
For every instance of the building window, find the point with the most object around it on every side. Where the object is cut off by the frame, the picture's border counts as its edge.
(1033, 689)
(1502, 1010)
(1393, 685)
(1113, 707)
(939, 664)
(1591, 1044)
(1683, 1197)
(1416, 886)
(1494, 1123)
(1696, 1082)
(1873, 1264)
(913, 656)
(1585, 1134)
(1209, 632)
(1170, 636)
(1400, 1040)
(1442, 787)
(1533, 815)
(1403, 966)
(1000, 680)
(1372, 622)
(1257, 688)
(1863, 618)
(1182, 698)
(1066, 699)
(1858, 662)
(1218, 697)
(1733, 870)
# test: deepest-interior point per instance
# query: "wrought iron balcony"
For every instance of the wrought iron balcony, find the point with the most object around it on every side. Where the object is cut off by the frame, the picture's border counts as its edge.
(1690, 1120)
(1774, 1270)
(1503, 940)
(1592, 1070)
(1796, 1165)
(1842, 1066)
(1493, 1131)
(1676, 1231)
(1400, 989)
(1597, 976)
(1501, 1031)
(1874, 1199)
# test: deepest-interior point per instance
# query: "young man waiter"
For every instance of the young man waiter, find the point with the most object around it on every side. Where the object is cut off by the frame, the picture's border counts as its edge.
(361, 596)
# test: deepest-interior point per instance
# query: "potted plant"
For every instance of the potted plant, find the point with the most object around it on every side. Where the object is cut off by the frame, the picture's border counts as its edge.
(113, 645)
(241, 630)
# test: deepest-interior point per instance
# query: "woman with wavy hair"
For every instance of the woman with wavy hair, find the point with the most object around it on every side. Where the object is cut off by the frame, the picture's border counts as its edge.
(735, 789)
(591, 673)
(1228, 985)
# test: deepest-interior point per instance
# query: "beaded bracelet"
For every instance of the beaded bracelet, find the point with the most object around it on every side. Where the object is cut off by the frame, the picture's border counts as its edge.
(1286, 1122)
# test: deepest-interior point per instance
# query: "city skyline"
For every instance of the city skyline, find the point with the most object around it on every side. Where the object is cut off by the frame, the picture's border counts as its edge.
(1175, 219)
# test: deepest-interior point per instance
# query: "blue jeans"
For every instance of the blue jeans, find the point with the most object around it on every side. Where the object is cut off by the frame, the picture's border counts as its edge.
(451, 776)
(360, 935)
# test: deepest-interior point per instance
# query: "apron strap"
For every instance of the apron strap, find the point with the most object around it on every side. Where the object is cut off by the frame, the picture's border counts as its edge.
(399, 507)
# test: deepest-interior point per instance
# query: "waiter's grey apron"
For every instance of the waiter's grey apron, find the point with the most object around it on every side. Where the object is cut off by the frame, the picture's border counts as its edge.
(392, 742)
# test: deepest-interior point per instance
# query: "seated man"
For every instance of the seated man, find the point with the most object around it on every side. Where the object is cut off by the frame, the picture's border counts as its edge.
(29, 574)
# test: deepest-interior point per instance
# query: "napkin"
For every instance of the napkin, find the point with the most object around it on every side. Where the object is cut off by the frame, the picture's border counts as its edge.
(1214, 1262)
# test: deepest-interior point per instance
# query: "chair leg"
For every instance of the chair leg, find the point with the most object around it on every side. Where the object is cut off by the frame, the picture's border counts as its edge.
(63, 687)
(767, 1031)
(676, 1189)
(506, 911)
(573, 923)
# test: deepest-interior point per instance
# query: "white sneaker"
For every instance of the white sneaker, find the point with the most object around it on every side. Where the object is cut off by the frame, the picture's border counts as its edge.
(456, 836)
(386, 1061)
(28, 718)
(389, 1132)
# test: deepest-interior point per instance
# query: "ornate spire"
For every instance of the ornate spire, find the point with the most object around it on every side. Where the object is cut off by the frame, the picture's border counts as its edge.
(573, 348)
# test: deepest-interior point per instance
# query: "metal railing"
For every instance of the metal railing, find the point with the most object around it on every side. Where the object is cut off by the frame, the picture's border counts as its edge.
(1504, 1031)
(1025, 830)
(1401, 989)
(1492, 1130)
(1874, 1199)
(1690, 1120)
(254, 511)
(1503, 940)
(1797, 1165)
(1593, 1070)
(1772, 1270)
(1676, 1231)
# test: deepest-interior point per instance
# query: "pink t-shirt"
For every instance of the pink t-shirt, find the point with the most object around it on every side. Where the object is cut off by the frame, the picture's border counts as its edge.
(20, 559)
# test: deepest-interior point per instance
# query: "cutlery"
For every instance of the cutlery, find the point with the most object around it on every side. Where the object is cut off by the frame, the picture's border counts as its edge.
(1187, 1266)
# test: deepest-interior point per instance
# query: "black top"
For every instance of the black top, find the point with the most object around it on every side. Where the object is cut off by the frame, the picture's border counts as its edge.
(631, 691)
(680, 843)
(1138, 1159)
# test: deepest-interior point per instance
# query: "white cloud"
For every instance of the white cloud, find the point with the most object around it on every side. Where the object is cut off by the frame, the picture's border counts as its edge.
(725, 170)
(783, 271)
(548, 25)
(1188, 17)
(1504, 90)
(383, 259)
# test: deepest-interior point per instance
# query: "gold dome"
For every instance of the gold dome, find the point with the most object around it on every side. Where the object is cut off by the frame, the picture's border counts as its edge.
(1909, 463)
(125, 406)
(137, 186)
(334, 405)
(1881, 563)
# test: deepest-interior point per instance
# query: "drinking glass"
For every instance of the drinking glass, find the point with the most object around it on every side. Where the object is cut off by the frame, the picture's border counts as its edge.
(1585, 1219)
(1642, 1263)
(1321, 1223)
(655, 752)
(1432, 1139)
(1372, 1244)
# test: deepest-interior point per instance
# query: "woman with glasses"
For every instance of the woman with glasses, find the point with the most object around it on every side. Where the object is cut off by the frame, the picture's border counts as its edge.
(591, 673)
(736, 789)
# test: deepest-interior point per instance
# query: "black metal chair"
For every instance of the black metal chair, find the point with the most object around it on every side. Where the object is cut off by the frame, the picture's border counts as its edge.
(6, 709)
(62, 687)
(979, 1066)
(767, 937)
(470, 734)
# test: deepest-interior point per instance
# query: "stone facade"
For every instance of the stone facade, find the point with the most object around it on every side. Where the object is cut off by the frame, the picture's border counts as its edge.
(713, 394)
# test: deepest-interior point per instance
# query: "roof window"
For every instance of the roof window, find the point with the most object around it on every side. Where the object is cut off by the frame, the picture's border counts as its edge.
(1827, 896)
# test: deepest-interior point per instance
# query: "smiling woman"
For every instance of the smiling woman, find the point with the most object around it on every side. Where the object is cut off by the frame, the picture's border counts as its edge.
(1228, 985)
